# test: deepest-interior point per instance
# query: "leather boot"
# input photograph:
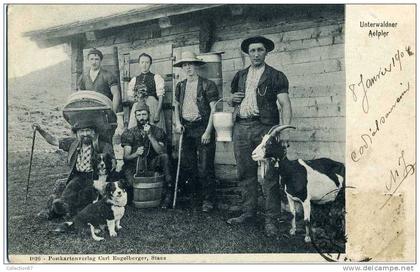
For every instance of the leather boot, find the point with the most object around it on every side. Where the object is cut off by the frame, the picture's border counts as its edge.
(243, 218)
(270, 227)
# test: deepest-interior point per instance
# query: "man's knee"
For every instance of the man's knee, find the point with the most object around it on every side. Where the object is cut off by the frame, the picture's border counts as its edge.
(163, 157)
(60, 207)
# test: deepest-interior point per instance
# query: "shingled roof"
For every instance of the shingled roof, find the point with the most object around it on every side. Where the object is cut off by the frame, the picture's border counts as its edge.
(62, 33)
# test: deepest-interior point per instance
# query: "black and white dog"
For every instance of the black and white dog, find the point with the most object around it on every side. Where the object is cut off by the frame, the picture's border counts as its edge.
(103, 172)
(106, 212)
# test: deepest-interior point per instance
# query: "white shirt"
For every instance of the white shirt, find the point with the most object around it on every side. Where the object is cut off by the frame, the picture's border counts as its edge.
(159, 83)
(249, 106)
(190, 110)
(93, 74)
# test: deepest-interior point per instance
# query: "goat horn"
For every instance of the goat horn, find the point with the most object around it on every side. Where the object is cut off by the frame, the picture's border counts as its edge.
(277, 129)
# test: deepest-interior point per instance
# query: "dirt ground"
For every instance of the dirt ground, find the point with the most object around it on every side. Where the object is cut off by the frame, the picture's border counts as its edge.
(144, 231)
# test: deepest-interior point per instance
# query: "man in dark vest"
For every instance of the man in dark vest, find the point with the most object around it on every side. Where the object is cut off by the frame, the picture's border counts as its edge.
(78, 191)
(256, 90)
(100, 80)
(145, 147)
(195, 99)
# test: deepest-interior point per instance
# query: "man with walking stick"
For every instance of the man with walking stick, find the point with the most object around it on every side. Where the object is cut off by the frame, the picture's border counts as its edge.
(195, 99)
(81, 150)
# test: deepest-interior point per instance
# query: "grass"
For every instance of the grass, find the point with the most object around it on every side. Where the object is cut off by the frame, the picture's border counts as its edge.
(145, 231)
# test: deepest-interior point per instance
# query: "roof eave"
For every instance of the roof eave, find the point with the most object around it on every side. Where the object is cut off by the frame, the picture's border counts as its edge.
(58, 34)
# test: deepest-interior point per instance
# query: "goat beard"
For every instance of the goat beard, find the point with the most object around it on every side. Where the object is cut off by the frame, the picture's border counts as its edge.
(264, 166)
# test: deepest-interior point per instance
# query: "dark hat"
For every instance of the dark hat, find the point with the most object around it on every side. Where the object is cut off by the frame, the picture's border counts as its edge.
(86, 123)
(268, 44)
(141, 106)
(95, 51)
(188, 56)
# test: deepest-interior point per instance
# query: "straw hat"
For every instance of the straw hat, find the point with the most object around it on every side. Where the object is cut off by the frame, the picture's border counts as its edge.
(188, 57)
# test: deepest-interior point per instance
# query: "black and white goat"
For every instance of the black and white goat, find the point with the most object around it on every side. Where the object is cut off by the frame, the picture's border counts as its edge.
(318, 181)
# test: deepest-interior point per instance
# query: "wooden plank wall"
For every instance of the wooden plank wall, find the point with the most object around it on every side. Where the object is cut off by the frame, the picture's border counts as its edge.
(309, 49)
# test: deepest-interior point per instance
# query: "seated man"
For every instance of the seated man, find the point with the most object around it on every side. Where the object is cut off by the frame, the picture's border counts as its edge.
(81, 149)
(146, 142)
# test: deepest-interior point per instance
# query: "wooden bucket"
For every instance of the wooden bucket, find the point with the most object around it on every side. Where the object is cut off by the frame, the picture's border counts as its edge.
(147, 188)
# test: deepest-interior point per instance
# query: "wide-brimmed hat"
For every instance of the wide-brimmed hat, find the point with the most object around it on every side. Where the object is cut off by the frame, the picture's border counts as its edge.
(188, 57)
(268, 44)
(95, 51)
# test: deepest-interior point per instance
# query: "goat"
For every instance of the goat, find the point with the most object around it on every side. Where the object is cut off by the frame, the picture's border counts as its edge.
(305, 181)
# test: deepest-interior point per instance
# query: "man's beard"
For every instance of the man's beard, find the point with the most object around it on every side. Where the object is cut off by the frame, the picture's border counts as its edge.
(141, 123)
(87, 140)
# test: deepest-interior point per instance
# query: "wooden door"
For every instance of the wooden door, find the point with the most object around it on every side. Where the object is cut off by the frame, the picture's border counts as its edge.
(162, 65)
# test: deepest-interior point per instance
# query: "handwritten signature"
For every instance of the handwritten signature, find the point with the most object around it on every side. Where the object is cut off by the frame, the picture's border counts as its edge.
(367, 138)
(366, 84)
(398, 176)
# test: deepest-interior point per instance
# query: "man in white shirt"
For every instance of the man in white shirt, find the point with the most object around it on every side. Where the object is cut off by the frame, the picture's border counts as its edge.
(256, 90)
(195, 99)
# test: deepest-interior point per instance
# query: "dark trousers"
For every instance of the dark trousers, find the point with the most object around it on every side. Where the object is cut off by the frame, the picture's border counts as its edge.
(247, 135)
(77, 194)
(197, 162)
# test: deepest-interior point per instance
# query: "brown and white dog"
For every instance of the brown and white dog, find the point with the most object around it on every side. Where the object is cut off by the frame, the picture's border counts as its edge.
(106, 212)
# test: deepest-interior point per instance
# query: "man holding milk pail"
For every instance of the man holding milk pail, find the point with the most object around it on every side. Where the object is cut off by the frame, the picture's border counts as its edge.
(256, 91)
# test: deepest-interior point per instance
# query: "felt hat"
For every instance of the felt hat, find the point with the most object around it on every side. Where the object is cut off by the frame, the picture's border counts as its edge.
(86, 123)
(268, 44)
(141, 106)
(189, 57)
(95, 51)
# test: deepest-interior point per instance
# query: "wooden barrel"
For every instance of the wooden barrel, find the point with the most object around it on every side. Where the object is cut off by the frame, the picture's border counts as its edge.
(147, 190)
(213, 69)
(93, 106)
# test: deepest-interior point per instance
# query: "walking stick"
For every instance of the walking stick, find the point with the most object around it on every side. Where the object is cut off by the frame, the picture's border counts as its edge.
(178, 168)
(30, 164)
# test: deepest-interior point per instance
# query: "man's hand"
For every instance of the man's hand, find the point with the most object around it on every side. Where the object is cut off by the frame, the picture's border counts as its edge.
(205, 138)
(140, 151)
(146, 129)
(179, 128)
(36, 126)
(156, 118)
(238, 97)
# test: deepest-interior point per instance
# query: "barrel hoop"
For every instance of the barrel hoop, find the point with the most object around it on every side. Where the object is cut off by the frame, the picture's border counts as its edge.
(146, 204)
(148, 185)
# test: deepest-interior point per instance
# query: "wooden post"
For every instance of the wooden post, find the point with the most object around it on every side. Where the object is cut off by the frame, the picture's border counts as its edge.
(76, 45)
(125, 75)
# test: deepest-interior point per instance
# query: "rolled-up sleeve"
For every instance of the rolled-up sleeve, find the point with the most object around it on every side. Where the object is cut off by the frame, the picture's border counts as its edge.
(234, 84)
(280, 83)
(81, 83)
(160, 85)
(212, 92)
(65, 143)
(177, 92)
(111, 79)
(126, 138)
